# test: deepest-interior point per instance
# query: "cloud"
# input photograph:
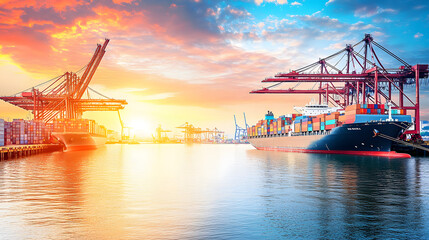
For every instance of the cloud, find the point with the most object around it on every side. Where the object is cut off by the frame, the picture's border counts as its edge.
(365, 12)
(329, 2)
(377, 34)
(332, 23)
(321, 21)
(154, 97)
(418, 35)
(198, 53)
(418, 7)
(360, 26)
(30, 32)
(171, 55)
(296, 3)
(259, 2)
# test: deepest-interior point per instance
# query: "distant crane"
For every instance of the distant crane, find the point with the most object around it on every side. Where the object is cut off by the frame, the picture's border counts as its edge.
(240, 133)
(218, 136)
(189, 131)
(196, 134)
(124, 136)
(159, 138)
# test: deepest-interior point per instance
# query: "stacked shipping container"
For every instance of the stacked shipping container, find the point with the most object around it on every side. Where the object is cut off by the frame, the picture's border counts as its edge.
(356, 110)
(19, 131)
(78, 125)
(7, 133)
(33, 130)
(284, 124)
(2, 132)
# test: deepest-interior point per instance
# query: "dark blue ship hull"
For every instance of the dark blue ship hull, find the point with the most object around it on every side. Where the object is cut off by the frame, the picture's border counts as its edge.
(355, 139)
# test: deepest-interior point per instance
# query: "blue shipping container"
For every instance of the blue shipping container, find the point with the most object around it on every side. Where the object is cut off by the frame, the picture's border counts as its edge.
(360, 118)
(330, 122)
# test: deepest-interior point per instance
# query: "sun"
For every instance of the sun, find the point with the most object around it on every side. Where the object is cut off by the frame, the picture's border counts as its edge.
(140, 127)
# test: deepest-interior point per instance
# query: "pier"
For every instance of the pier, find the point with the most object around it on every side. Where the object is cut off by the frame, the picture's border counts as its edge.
(15, 151)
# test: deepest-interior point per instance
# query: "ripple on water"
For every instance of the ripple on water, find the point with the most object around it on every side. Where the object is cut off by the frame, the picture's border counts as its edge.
(212, 191)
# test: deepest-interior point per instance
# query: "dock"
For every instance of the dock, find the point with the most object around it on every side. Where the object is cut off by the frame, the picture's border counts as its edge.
(15, 151)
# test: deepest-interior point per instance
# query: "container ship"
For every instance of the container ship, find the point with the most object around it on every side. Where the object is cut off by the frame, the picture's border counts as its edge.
(78, 134)
(360, 129)
(73, 134)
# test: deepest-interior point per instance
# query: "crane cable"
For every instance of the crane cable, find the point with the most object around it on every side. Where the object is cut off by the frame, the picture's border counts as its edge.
(99, 93)
(50, 80)
(38, 85)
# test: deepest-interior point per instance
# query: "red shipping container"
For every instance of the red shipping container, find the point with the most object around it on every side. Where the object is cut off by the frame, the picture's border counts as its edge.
(316, 126)
(297, 127)
(304, 128)
(353, 107)
(357, 111)
(332, 116)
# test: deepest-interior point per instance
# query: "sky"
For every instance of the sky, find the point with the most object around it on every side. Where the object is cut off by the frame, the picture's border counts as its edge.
(195, 61)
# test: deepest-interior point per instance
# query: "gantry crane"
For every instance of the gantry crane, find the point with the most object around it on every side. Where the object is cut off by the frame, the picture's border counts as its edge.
(240, 132)
(196, 134)
(64, 96)
(125, 131)
(350, 76)
(158, 138)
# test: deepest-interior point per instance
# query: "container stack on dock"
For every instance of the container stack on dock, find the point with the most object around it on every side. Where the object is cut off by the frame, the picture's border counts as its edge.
(2, 132)
(34, 131)
(24, 132)
(18, 132)
(7, 133)
(296, 124)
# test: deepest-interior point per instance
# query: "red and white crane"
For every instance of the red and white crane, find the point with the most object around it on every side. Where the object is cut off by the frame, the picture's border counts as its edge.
(350, 76)
(63, 96)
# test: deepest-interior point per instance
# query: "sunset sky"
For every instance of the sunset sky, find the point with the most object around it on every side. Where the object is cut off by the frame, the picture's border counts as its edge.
(193, 61)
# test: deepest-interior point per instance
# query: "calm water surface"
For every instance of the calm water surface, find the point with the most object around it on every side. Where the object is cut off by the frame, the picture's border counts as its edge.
(212, 192)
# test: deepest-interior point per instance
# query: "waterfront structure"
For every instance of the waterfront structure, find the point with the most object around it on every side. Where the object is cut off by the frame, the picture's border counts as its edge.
(63, 98)
(357, 86)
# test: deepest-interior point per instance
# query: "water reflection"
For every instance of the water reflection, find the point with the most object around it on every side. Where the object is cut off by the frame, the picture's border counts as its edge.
(211, 191)
(332, 196)
(55, 194)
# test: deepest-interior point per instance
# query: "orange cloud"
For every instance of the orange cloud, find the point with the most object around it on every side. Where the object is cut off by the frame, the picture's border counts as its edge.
(176, 54)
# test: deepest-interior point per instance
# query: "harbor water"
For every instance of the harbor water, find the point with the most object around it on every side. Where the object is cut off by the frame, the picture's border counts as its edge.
(176, 191)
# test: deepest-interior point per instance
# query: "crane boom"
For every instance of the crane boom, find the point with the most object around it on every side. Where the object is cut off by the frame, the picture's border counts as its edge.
(62, 96)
